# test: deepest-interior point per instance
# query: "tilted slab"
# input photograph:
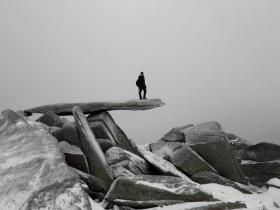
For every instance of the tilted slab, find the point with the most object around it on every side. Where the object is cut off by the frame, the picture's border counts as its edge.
(142, 191)
(90, 147)
(95, 107)
(104, 126)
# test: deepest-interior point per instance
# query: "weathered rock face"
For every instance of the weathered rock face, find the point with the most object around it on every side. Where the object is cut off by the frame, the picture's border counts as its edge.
(175, 135)
(10, 119)
(69, 134)
(105, 127)
(96, 107)
(94, 184)
(274, 182)
(155, 188)
(90, 147)
(162, 166)
(105, 144)
(236, 142)
(74, 156)
(33, 173)
(260, 172)
(260, 152)
(182, 156)
(206, 177)
(209, 141)
(117, 157)
(212, 205)
(51, 119)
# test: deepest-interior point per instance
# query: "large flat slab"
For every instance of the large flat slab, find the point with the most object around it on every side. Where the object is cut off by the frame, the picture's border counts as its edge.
(95, 107)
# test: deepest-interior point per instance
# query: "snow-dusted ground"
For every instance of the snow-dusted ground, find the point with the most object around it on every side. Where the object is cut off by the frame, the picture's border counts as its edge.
(274, 182)
(260, 199)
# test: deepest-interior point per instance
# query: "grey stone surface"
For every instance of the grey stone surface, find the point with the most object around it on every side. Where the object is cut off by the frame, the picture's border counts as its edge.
(237, 142)
(95, 107)
(162, 166)
(33, 172)
(92, 150)
(260, 172)
(104, 126)
(51, 119)
(210, 142)
(174, 135)
(212, 205)
(69, 134)
(74, 156)
(105, 144)
(155, 188)
(117, 157)
(206, 177)
(94, 184)
(181, 156)
(260, 152)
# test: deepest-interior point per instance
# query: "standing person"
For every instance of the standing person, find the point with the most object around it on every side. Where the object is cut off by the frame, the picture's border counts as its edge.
(141, 86)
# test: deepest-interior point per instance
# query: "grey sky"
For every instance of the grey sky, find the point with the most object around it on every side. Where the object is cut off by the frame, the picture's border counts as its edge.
(208, 60)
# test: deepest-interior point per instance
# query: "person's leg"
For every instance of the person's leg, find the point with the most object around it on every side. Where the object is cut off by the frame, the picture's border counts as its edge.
(140, 93)
(145, 92)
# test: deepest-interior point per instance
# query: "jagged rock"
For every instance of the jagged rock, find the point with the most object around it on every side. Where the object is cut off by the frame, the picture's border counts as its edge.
(144, 204)
(122, 208)
(184, 127)
(210, 142)
(155, 188)
(118, 171)
(11, 119)
(182, 156)
(69, 134)
(146, 147)
(260, 172)
(51, 119)
(74, 156)
(163, 149)
(33, 172)
(105, 144)
(206, 177)
(274, 182)
(104, 126)
(97, 107)
(236, 142)
(211, 127)
(162, 166)
(213, 205)
(90, 147)
(117, 157)
(53, 129)
(174, 135)
(94, 184)
(260, 152)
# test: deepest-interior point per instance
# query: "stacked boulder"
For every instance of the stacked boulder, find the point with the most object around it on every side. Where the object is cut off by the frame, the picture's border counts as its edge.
(260, 162)
(88, 156)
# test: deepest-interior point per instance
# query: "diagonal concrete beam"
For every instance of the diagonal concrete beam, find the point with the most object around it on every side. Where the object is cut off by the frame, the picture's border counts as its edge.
(96, 107)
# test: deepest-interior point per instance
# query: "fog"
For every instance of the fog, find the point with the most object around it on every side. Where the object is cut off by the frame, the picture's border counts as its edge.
(208, 60)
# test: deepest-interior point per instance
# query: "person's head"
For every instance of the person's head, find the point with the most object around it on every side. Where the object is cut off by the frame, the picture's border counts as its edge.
(142, 73)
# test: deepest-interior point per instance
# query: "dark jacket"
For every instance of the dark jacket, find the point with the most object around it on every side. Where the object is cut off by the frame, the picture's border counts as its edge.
(141, 82)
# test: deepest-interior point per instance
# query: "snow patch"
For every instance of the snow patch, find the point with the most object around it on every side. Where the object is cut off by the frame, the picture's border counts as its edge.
(274, 182)
(269, 199)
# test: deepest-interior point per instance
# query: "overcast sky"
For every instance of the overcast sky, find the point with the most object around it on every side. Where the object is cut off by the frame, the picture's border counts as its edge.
(208, 60)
